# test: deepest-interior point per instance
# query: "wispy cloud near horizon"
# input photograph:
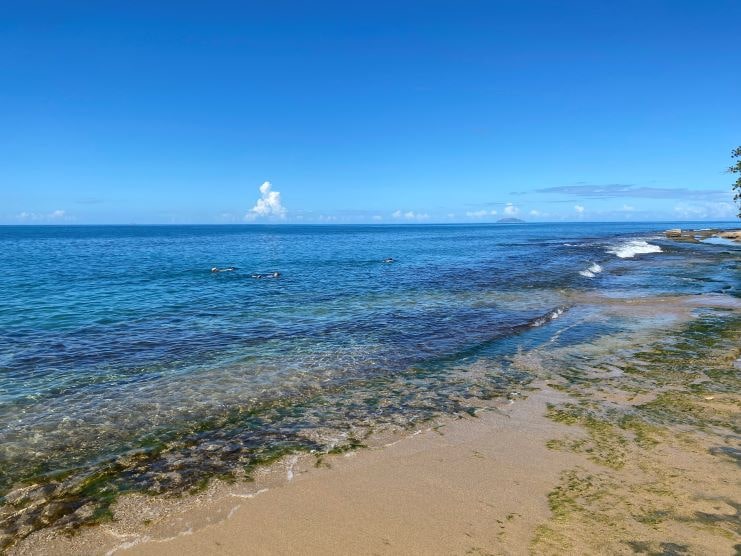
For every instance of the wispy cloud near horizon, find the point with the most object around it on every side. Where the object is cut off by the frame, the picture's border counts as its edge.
(410, 215)
(614, 190)
(52, 216)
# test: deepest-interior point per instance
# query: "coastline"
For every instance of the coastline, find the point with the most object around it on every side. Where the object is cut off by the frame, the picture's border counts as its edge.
(636, 455)
(435, 490)
(697, 236)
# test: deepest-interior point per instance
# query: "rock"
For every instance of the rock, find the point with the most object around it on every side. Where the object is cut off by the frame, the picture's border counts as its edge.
(731, 234)
(86, 511)
(31, 493)
(674, 232)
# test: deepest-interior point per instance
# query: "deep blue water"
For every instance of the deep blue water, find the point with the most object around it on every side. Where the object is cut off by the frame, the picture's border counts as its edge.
(115, 339)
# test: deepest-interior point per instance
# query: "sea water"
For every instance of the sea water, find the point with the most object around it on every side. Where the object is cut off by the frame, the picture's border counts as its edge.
(126, 363)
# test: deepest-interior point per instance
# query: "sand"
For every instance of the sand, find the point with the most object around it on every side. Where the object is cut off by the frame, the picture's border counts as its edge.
(638, 455)
(468, 485)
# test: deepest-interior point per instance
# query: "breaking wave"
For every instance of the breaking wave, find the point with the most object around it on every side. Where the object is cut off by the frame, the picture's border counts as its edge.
(592, 271)
(630, 249)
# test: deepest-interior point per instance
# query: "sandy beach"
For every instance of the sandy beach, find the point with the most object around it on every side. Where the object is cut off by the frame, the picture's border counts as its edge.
(639, 455)
(389, 278)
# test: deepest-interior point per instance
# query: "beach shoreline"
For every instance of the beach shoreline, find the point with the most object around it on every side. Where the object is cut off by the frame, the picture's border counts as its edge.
(436, 490)
(608, 462)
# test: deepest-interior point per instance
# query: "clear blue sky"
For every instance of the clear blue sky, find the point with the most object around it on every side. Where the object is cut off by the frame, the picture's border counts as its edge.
(153, 112)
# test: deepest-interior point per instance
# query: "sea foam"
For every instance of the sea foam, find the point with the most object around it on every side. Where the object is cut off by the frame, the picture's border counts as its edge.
(632, 248)
(592, 271)
(553, 315)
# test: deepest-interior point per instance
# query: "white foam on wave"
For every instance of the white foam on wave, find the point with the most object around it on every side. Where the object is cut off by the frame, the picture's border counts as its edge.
(592, 271)
(146, 539)
(290, 464)
(553, 315)
(630, 249)
(251, 495)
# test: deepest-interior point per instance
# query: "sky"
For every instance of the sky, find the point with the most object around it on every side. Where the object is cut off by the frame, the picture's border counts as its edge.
(367, 112)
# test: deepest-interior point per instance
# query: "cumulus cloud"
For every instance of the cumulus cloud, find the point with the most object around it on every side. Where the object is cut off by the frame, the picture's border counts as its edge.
(511, 210)
(269, 204)
(579, 209)
(534, 212)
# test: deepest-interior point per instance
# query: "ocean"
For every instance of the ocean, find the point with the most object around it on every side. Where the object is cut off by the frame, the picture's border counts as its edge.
(128, 365)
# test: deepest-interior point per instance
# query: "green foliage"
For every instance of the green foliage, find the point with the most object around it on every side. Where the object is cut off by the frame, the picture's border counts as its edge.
(736, 169)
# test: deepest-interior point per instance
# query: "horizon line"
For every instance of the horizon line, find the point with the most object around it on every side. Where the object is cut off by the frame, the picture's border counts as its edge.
(326, 224)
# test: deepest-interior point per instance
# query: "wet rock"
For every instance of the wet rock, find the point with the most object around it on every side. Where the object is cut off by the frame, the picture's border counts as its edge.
(31, 493)
(731, 234)
(674, 232)
(51, 512)
(85, 512)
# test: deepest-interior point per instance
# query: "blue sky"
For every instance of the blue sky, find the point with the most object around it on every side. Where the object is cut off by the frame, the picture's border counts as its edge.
(399, 111)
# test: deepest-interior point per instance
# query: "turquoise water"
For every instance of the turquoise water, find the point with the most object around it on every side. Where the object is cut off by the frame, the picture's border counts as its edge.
(126, 364)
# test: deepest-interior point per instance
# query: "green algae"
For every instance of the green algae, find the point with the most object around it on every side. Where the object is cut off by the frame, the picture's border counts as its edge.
(644, 434)
(696, 388)
(605, 445)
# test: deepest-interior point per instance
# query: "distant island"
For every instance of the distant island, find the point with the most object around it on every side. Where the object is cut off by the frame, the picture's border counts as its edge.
(510, 221)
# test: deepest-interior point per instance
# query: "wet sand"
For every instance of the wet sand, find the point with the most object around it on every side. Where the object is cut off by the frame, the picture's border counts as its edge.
(476, 485)
(617, 448)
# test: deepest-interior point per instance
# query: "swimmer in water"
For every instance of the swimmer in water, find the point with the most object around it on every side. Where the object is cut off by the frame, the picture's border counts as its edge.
(227, 269)
(389, 260)
(270, 275)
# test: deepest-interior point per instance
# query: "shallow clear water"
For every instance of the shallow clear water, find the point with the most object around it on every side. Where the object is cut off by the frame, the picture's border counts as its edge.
(120, 340)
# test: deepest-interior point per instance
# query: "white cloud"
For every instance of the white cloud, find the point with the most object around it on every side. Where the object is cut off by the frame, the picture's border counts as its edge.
(58, 214)
(377, 217)
(579, 209)
(534, 212)
(511, 210)
(269, 204)
(410, 215)
(628, 208)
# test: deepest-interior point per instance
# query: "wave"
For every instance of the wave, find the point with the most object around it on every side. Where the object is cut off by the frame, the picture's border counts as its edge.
(630, 249)
(553, 315)
(592, 271)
